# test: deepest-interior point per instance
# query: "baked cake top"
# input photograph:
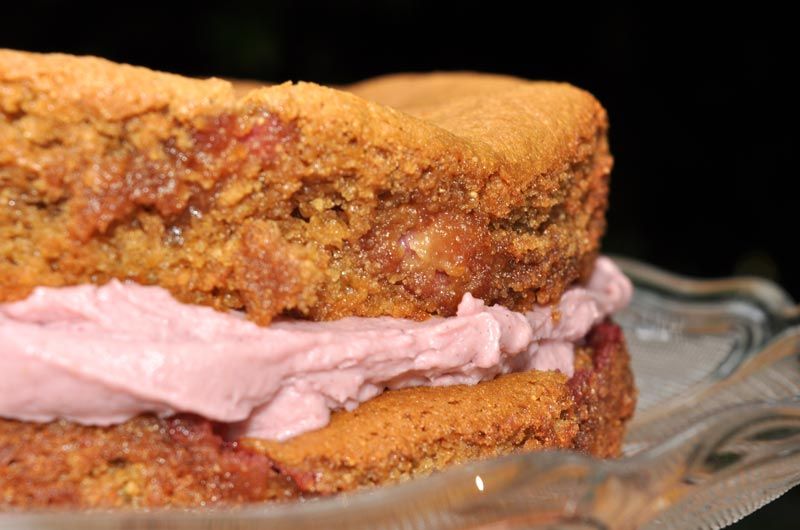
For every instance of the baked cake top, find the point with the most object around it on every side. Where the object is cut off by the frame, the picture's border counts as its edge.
(395, 196)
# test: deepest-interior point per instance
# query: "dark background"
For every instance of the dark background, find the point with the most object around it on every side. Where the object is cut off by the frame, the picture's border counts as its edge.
(704, 116)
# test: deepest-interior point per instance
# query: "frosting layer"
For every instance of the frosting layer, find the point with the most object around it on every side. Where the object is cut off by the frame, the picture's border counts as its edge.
(101, 355)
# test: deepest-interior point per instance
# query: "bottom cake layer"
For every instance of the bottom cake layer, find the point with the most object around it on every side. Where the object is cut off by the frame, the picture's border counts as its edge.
(184, 461)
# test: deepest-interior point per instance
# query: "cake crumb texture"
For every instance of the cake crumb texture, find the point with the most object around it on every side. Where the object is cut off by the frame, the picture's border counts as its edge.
(391, 197)
(181, 462)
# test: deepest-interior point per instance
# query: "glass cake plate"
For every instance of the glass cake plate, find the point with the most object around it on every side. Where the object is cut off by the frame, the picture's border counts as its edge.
(716, 435)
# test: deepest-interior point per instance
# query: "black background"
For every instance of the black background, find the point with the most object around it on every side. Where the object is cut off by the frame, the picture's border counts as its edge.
(704, 116)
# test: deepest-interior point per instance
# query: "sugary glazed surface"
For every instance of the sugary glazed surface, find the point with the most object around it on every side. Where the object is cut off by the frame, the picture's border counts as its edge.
(183, 462)
(395, 198)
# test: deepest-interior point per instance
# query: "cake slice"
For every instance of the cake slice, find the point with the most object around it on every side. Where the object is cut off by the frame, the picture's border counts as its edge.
(213, 294)
(395, 199)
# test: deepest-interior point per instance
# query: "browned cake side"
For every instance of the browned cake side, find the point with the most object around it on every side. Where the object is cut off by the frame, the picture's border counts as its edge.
(148, 462)
(298, 199)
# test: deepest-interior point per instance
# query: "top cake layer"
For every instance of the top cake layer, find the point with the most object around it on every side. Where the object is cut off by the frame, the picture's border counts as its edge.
(395, 198)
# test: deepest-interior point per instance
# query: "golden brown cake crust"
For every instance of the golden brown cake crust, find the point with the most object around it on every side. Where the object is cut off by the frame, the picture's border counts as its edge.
(148, 462)
(393, 199)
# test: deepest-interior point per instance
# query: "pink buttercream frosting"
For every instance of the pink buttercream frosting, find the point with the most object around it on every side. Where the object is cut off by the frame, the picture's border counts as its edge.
(101, 355)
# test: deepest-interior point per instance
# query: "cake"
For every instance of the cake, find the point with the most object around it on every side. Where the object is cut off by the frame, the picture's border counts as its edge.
(157, 231)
